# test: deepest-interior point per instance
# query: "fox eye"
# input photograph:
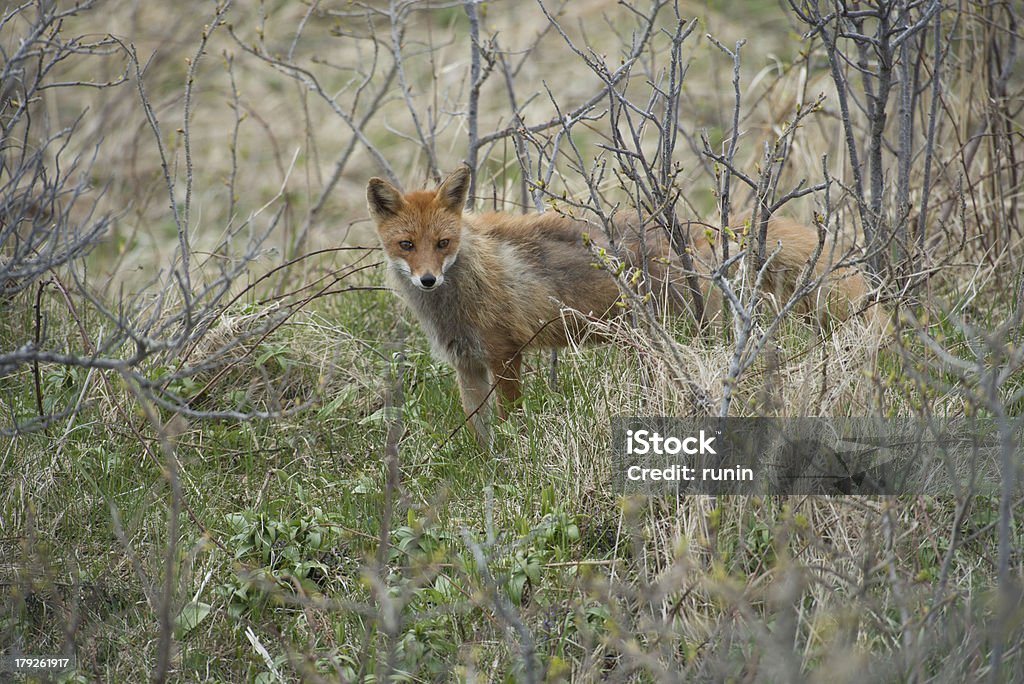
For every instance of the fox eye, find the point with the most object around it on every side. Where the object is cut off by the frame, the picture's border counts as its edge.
(406, 245)
(441, 244)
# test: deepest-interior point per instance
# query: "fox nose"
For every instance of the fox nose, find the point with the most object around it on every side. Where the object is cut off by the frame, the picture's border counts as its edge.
(427, 280)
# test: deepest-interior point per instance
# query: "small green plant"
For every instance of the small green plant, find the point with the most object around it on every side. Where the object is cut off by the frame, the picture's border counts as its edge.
(275, 552)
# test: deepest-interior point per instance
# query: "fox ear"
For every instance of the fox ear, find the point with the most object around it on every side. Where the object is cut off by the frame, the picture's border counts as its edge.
(383, 199)
(453, 190)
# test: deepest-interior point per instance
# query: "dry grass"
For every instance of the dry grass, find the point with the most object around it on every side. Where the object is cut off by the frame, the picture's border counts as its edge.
(769, 589)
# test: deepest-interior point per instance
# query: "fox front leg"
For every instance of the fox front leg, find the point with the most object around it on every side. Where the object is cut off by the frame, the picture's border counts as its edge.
(510, 386)
(474, 387)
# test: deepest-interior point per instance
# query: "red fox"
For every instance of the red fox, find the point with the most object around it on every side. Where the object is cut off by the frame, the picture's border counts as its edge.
(485, 287)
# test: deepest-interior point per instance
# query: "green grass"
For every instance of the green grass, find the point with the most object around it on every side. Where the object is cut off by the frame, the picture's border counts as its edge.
(279, 531)
(289, 513)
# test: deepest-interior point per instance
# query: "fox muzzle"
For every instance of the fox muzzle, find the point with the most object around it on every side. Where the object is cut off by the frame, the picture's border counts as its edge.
(428, 281)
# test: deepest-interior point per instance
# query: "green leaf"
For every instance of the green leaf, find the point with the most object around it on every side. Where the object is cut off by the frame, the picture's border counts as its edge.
(386, 414)
(516, 585)
(344, 397)
(193, 613)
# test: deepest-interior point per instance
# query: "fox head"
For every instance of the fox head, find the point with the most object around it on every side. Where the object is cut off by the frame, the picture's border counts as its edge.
(420, 232)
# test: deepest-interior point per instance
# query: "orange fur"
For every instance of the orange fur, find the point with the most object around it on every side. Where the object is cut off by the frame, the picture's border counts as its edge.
(486, 287)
